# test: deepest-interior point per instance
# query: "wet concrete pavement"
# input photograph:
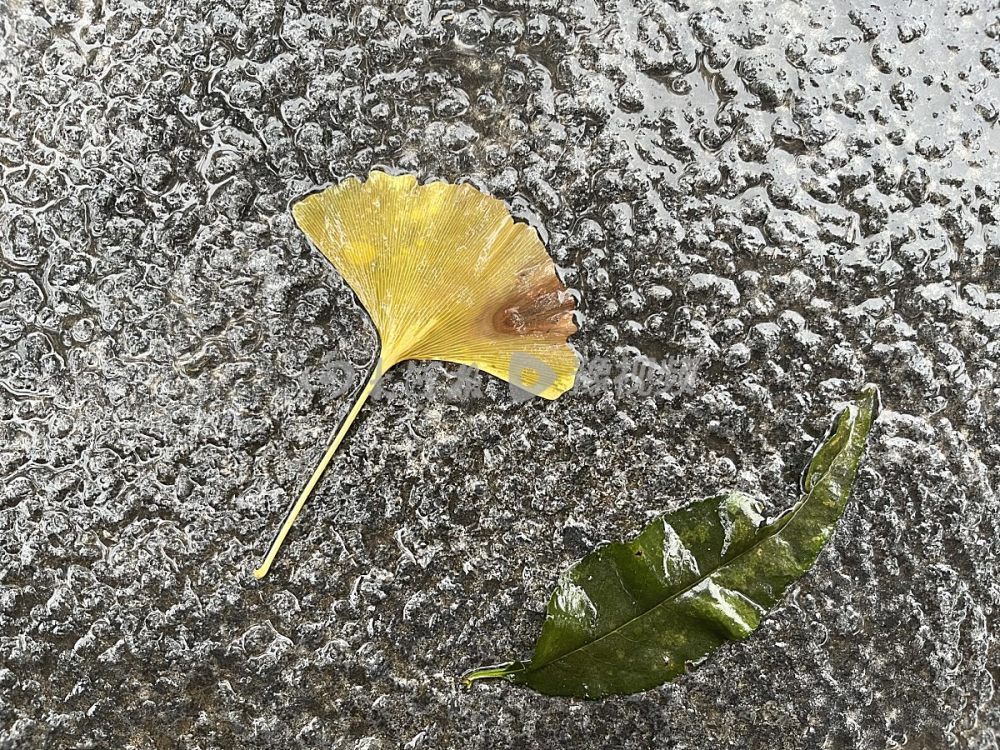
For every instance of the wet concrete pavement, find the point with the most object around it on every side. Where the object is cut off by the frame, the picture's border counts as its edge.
(771, 203)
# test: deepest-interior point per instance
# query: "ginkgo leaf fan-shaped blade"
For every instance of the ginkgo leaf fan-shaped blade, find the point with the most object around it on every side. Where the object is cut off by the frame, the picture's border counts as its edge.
(445, 274)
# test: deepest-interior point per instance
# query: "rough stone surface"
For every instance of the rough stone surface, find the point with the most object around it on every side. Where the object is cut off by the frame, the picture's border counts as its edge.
(804, 195)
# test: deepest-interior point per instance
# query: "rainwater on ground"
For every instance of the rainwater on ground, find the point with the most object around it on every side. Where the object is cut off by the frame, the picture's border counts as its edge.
(767, 204)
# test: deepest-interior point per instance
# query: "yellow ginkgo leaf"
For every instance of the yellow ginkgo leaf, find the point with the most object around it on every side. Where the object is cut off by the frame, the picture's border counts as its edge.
(445, 274)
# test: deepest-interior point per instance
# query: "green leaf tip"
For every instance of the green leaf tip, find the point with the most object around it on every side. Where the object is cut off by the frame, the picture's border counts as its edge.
(632, 615)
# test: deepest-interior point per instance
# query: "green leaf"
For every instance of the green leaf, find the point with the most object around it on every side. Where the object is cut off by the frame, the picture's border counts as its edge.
(633, 615)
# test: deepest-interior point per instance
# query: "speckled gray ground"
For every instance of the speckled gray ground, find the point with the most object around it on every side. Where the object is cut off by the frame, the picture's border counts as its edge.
(806, 195)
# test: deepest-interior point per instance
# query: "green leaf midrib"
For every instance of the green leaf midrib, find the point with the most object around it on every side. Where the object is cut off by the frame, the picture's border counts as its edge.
(778, 526)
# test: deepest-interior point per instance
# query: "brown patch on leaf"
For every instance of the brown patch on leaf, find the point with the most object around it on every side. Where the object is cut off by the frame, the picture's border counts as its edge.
(541, 307)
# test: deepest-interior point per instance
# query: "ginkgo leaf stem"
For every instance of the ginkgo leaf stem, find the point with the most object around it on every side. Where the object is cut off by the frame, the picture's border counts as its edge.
(293, 512)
